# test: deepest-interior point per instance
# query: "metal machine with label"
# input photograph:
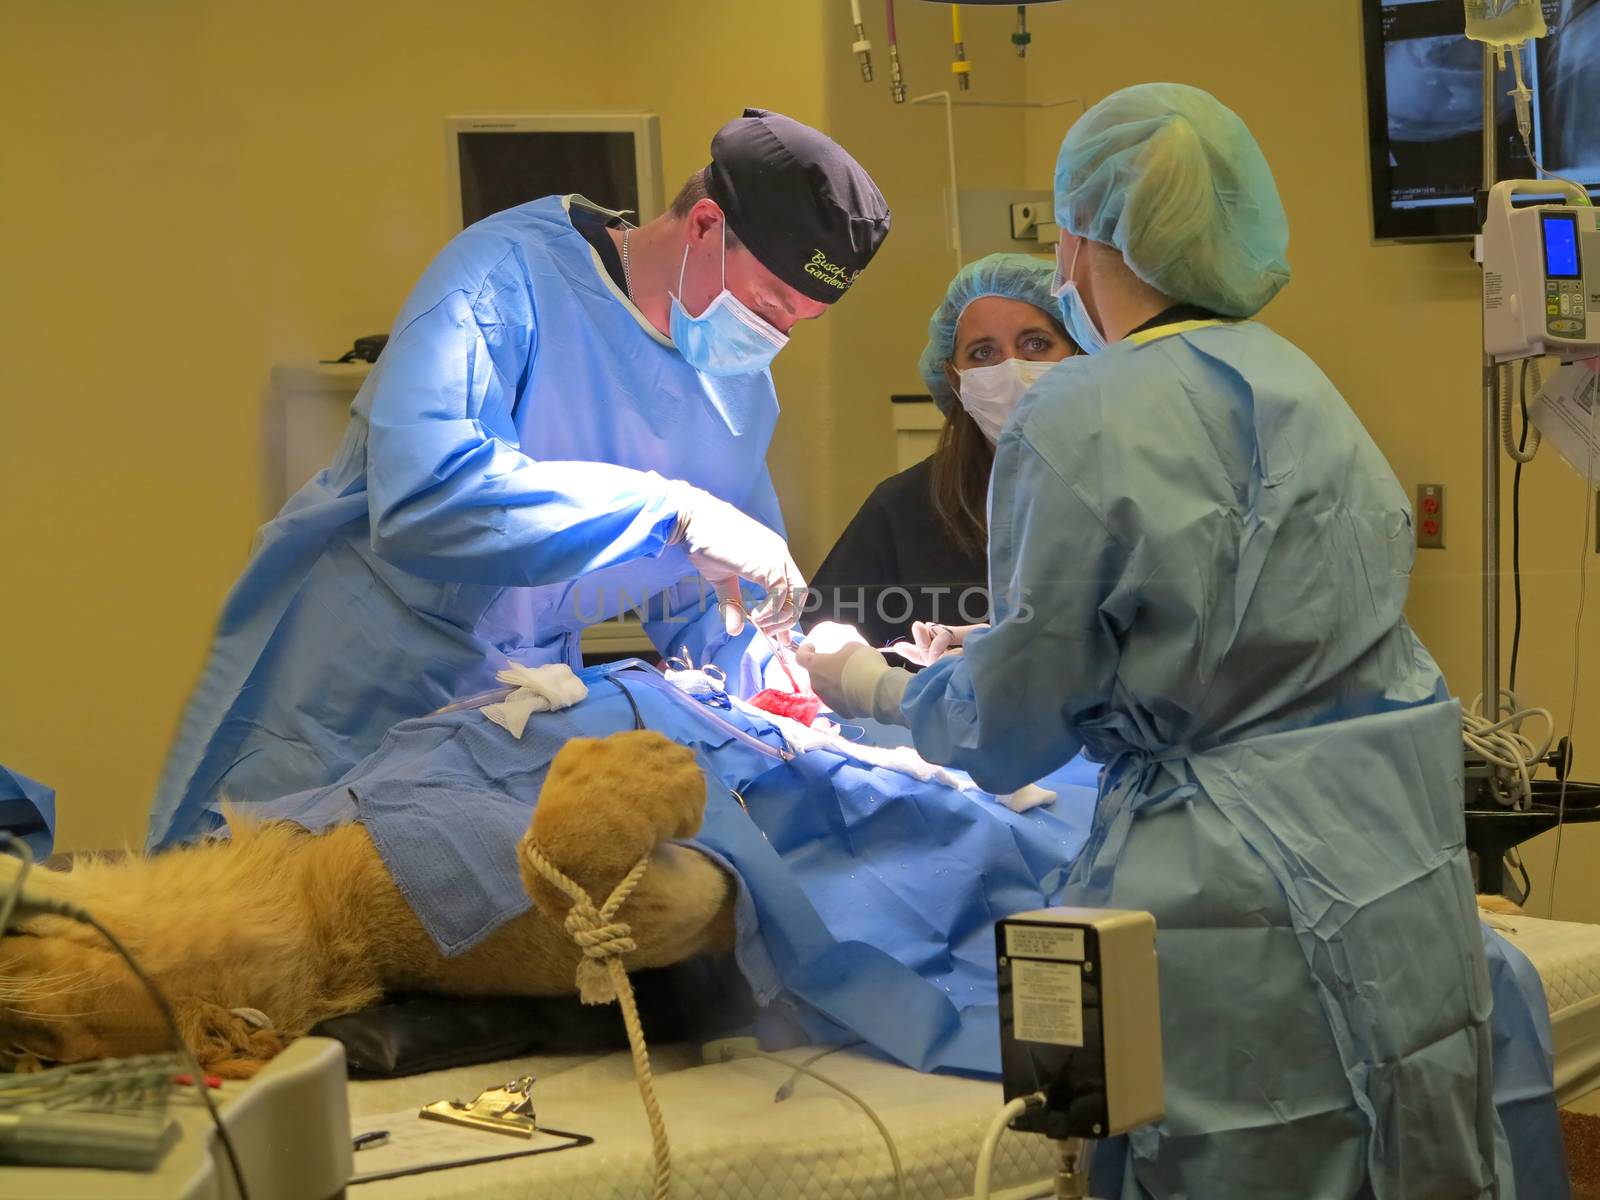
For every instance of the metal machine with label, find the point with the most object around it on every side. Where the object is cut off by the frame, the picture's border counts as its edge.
(1080, 1020)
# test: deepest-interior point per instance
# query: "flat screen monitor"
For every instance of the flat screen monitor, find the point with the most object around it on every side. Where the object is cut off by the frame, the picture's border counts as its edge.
(496, 163)
(1425, 112)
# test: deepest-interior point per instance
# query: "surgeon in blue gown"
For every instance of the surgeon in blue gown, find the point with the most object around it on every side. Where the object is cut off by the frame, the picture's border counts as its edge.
(1199, 563)
(569, 423)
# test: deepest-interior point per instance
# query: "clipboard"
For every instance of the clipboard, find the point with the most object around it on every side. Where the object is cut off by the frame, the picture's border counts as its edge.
(417, 1147)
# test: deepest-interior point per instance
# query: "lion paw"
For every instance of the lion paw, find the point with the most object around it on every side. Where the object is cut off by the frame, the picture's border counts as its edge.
(606, 803)
(226, 1043)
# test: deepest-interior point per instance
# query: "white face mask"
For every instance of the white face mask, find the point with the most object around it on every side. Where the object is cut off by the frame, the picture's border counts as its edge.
(990, 394)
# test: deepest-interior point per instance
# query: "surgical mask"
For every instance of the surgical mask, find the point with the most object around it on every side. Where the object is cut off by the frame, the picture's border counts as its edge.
(727, 338)
(1074, 313)
(990, 394)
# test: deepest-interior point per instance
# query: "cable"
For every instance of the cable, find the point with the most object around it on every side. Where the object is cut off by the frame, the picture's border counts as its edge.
(991, 1140)
(196, 1074)
(638, 718)
(1577, 639)
(897, 83)
(1517, 453)
(787, 1089)
(1516, 545)
(1502, 744)
(84, 917)
(961, 68)
(1513, 859)
(883, 1130)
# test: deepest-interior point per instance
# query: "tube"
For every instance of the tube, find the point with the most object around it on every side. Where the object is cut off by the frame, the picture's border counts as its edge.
(897, 83)
(862, 47)
(960, 68)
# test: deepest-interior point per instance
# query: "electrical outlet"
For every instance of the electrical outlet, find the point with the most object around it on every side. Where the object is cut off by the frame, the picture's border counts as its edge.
(1430, 516)
(1024, 221)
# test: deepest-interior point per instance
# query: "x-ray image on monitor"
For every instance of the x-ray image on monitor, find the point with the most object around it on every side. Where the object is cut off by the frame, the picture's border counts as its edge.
(1425, 111)
(1569, 93)
(1435, 118)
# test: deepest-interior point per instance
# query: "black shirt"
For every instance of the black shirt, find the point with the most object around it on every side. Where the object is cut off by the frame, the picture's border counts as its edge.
(593, 225)
(896, 563)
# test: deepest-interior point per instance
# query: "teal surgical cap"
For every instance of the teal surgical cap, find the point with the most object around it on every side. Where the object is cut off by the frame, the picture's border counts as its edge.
(1172, 178)
(1014, 276)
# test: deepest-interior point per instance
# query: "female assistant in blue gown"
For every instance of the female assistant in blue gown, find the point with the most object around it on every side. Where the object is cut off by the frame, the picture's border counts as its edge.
(1199, 562)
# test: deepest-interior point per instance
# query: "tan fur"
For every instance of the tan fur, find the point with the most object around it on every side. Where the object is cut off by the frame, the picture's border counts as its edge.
(305, 927)
(1499, 904)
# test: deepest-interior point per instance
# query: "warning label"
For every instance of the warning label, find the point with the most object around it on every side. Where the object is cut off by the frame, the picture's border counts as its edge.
(1044, 941)
(1494, 290)
(1047, 1002)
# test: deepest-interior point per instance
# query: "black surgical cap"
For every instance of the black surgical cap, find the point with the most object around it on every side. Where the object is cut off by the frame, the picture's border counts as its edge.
(808, 211)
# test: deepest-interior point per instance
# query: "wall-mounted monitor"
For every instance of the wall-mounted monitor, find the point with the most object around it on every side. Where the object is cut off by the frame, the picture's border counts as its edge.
(497, 162)
(1425, 112)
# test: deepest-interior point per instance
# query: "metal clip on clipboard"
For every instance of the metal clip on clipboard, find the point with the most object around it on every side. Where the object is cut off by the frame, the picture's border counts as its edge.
(507, 1109)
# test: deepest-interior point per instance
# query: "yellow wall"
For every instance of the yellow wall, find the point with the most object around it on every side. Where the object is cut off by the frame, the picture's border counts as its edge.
(882, 325)
(206, 189)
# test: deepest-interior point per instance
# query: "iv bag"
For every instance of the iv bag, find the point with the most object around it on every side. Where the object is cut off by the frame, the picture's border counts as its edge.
(1504, 23)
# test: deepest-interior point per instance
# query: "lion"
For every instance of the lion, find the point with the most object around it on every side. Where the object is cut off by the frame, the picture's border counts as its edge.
(256, 937)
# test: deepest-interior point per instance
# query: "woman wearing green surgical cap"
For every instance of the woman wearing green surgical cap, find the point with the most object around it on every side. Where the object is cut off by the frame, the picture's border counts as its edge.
(918, 549)
(1200, 563)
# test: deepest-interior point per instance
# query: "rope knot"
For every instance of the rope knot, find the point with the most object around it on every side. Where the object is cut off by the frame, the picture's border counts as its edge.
(602, 978)
(596, 931)
(599, 941)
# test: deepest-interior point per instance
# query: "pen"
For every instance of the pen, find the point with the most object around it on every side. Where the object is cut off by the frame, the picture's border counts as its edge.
(370, 1140)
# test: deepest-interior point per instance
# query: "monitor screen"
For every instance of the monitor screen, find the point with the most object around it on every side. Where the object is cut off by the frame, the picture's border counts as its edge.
(1425, 111)
(1561, 246)
(500, 170)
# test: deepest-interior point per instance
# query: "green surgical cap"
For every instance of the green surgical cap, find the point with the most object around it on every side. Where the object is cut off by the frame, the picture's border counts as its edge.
(1172, 178)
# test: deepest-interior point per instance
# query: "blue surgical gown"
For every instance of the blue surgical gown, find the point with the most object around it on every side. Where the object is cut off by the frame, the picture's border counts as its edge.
(1199, 562)
(501, 485)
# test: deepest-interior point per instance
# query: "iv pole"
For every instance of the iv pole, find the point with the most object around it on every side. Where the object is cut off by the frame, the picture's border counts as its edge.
(1491, 444)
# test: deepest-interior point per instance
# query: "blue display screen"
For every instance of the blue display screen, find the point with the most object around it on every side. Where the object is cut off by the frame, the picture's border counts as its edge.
(1561, 247)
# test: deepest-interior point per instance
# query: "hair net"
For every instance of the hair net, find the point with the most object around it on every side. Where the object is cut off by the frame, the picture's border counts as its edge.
(1014, 276)
(1172, 178)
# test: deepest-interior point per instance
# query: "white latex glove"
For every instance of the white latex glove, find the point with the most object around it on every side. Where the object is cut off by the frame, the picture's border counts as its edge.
(849, 675)
(726, 546)
(932, 641)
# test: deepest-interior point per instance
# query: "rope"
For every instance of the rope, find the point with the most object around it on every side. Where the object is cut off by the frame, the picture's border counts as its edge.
(602, 978)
